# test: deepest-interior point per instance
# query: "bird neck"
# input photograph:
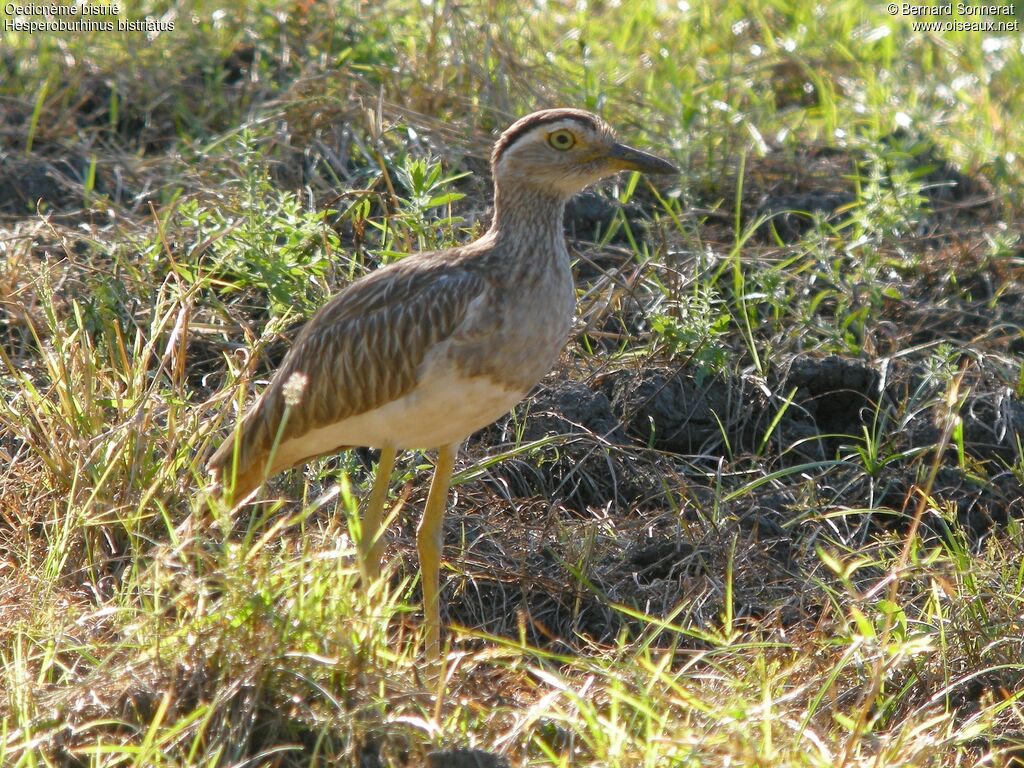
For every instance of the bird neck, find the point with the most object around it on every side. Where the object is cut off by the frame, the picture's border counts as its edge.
(528, 216)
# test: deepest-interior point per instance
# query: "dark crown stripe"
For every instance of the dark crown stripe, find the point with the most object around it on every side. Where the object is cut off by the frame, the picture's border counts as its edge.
(517, 130)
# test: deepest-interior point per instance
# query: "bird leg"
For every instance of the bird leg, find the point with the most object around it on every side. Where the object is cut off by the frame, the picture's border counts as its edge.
(429, 542)
(371, 542)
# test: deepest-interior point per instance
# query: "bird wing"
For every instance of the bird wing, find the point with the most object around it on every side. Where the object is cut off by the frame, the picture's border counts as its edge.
(359, 351)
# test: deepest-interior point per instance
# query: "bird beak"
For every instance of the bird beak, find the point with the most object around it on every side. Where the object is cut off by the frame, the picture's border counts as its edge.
(625, 158)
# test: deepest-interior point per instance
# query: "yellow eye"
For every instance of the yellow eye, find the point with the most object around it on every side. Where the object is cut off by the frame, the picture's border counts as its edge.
(561, 140)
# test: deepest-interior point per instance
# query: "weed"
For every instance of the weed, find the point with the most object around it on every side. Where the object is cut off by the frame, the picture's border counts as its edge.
(262, 238)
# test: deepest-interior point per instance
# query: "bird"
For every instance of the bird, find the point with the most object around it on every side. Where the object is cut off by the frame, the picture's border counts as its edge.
(421, 353)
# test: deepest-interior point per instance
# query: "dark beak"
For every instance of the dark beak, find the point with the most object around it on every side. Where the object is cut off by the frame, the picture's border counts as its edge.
(628, 159)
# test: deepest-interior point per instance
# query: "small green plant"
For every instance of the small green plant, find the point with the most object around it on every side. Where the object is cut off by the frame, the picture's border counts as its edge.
(891, 199)
(262, 237)
(940, 366)
(694, 324)
(424, 220)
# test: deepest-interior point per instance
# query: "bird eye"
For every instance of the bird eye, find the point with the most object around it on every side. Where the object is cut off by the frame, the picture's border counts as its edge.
(561, 140)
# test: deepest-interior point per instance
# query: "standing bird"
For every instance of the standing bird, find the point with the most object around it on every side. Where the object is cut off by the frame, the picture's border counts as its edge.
(423, 352)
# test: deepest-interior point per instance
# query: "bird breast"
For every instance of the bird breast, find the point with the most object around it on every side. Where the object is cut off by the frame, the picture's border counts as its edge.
(515, 332)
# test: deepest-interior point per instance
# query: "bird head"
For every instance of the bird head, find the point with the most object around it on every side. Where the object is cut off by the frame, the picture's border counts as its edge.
(565, 150)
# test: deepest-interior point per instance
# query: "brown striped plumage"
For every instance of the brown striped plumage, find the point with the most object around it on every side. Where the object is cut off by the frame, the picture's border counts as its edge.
(423, 352)
(367, 343)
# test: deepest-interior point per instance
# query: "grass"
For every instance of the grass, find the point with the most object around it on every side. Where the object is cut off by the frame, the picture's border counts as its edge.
(709, 552)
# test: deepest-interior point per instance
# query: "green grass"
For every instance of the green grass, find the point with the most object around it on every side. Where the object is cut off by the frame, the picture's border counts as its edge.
(192, 214)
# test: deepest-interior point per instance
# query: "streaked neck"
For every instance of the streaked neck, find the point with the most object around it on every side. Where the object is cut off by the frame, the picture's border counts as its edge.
(528, 215)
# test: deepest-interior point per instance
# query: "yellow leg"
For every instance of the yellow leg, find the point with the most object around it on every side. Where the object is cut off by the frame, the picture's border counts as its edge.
(371, 544)
(429, 541)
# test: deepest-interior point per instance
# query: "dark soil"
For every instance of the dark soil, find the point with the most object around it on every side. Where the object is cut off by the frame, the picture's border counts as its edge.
(590, 216)
(792, 193)
(587, 463)
(28, 183)
(681, 412)
(833, 397)
(624, 453)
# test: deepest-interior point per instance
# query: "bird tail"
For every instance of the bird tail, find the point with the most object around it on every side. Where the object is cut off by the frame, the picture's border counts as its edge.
(242, 481)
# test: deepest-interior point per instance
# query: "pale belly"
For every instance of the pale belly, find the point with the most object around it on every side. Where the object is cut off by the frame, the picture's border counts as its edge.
(440, 411)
